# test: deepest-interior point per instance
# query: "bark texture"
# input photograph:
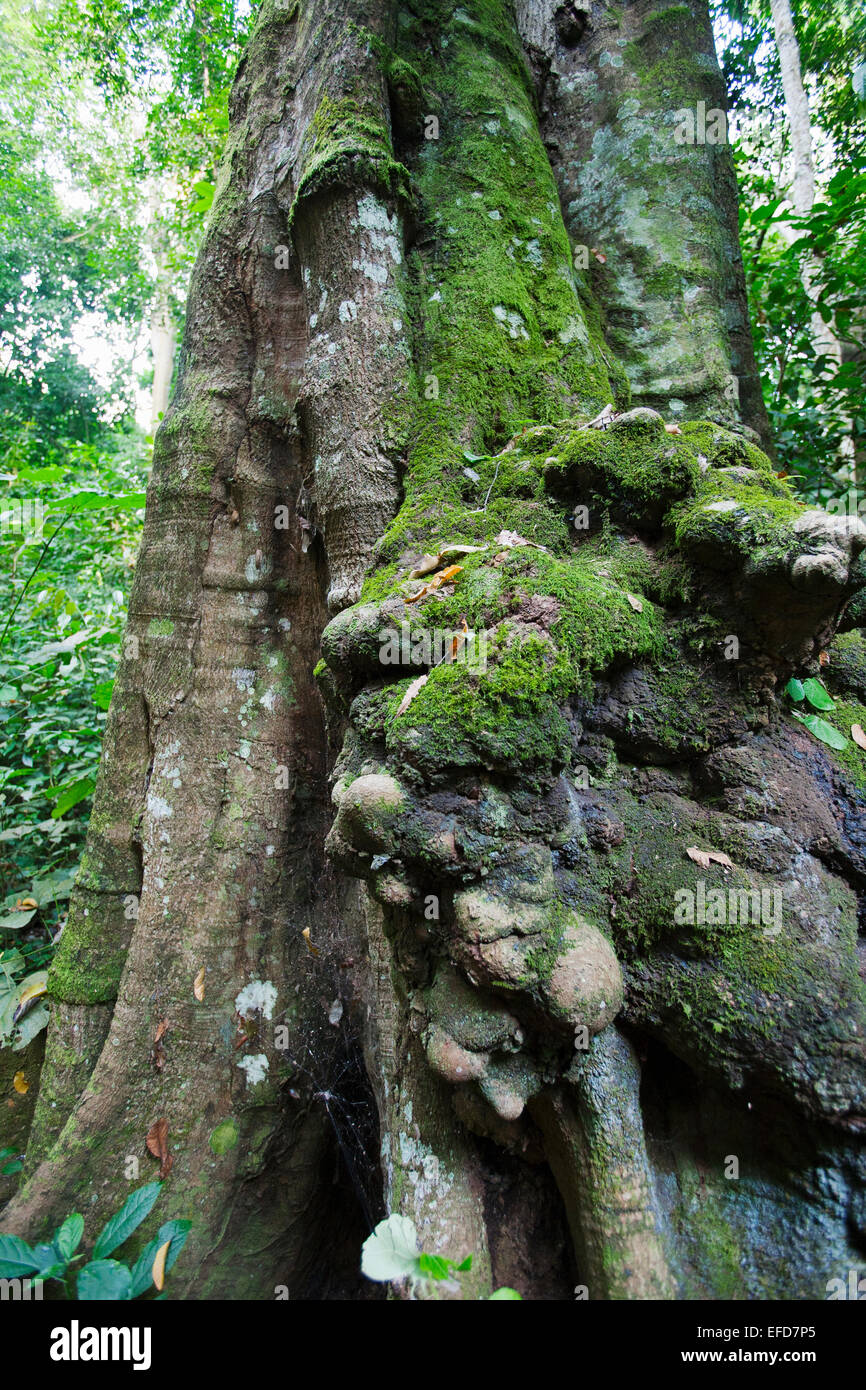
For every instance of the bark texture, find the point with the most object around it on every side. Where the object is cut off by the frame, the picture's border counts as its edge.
(407, 437)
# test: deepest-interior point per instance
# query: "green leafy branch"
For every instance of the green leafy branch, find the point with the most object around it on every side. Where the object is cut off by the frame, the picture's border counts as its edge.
(101, 1278)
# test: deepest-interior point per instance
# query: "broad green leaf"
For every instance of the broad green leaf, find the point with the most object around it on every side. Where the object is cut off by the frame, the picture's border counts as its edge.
(14, 921)
(816, 694)
(177, 1232)
(104, 1279)
(98, 502)
(28, 1027)
(10, 1166)
(16, 1258)
(505, 1293)
(464, 1265)
(102, 694)
(822, 730)
(79, 791)
(795, 689)
(205, 192)
(121, 1226)
(46, 1255)
(391, 1252)
(142, 1272)
(67, 1237)
(8, 693)
(51, 473)
(53, 888)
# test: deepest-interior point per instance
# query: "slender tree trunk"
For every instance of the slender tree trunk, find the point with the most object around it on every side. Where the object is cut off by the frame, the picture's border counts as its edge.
(802, 191)
(162, 346)
(402, 440)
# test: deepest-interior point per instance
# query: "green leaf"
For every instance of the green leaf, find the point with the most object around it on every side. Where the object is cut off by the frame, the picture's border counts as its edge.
(14, 921)
(104, 1279)
(121, 1226)
(16, 1258)
(45, 1255)
(67, 1237)
(464, 1265)
(822, 730)
(505, 1293)
(816, 694)
(391, 1252)
(102, 694)
(795, 689)
(52, 888)
(177, 1232)
(475, 458)
(12, 1166)
(28, 1027)
(142, 1276)
(79, 791)
(434, 1266)
(204, 200)
(98, 502)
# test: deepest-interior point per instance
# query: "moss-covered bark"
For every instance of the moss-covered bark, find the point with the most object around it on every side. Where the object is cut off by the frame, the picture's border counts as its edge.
(554, 626)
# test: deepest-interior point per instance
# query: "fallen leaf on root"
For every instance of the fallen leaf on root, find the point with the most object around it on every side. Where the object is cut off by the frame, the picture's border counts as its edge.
(20, 1083)
(858, 735)
(706, 857)
(443, 577)
(198, 985)
(411, 693)
(313, 950)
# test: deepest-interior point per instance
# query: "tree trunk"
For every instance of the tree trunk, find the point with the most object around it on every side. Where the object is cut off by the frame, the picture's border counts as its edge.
(802, 195)
(391, 368)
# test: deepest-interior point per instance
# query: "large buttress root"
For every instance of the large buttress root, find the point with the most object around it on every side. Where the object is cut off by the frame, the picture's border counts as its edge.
(594, 1140)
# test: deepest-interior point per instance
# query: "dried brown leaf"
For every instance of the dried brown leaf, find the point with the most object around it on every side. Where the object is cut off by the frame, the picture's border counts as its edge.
(198, 985)
(858, 735)
(426, 565)
(20, 1083)
(706, 857)
(443, 577)
(313, 950)
(157, 1269)
(635, 603)
(411, 693)
(157, 1144)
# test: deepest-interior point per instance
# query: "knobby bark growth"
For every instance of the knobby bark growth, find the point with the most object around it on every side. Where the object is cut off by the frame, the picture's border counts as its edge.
(467, 354)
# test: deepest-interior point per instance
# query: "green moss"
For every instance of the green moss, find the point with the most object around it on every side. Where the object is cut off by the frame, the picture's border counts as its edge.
(847, 669)
(853, 758)
(91, 952)
(506, 716)
(638, 473)
(348, 141)
(732, 518)
(224, 1137)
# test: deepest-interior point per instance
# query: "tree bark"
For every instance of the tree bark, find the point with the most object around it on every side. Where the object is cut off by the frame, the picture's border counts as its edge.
(389, 354)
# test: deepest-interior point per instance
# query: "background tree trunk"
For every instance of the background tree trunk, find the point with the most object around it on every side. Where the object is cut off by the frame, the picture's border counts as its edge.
(388, 352)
